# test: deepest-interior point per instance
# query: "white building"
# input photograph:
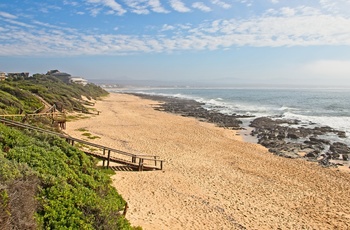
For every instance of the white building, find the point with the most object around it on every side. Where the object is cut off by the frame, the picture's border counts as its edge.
(78, 80)
(2, 76)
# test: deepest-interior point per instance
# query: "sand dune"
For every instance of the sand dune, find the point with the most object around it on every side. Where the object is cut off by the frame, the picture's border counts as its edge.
(211, 178)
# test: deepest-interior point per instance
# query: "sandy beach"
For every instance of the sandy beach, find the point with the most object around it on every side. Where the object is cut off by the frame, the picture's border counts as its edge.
(211, 178)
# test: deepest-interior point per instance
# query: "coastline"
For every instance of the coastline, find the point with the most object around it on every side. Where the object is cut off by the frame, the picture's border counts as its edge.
(211, 178)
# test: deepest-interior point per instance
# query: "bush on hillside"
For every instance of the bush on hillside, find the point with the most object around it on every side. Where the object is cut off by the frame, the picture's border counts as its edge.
(63, 186)
(22, 95)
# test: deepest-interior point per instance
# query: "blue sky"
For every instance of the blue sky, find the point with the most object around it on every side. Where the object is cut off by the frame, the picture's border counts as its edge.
(222, 42)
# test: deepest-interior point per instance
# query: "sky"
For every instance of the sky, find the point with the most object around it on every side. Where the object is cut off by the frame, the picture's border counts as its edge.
(194, 42)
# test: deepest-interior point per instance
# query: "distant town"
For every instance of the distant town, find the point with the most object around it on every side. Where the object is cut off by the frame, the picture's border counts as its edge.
(65, 77)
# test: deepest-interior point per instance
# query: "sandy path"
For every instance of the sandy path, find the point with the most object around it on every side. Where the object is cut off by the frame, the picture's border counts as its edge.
(211, 179)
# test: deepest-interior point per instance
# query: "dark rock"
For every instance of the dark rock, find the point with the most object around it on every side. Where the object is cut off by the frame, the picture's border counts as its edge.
(293, 136)
(273, 134)
(339, 148)
(192, 108)
(313, 154)
(318, 140)
(341, 134)
(263, 122)
(325, 161)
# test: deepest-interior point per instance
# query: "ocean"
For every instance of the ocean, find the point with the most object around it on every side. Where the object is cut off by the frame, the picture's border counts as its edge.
(313, 107)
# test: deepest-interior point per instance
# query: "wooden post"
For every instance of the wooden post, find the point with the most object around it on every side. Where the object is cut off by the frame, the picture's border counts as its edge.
(125, 209)
(109, 156)
(103, 161)
(72, 142)
(161, 165)
(141, 164)
(133, 159)
(155, 161)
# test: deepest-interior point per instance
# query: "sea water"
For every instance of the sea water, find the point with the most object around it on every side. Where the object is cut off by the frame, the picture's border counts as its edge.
(312, 107)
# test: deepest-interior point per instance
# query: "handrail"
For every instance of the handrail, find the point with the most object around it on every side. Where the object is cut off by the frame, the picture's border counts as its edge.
(134, 156)
(101, 146)
(31, 127)
(28, 114)
(35, 111)
(64, 136)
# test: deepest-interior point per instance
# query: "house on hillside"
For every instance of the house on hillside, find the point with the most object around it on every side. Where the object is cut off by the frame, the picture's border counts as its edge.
(18, 75)
(79, 80)
(52, 72)
(2, 76)
(65, 77)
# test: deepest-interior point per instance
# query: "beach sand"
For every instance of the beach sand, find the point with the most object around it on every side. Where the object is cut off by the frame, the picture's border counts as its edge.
(212, 179)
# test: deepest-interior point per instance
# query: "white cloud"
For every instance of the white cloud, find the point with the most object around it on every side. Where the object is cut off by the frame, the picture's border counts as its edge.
(72, 3)
(303, 27)
(336, 6)
(275, 1)
(18, 23)
(287, 11)
(96, 11)
(297, 11)
(179, 6)
(7, 15)
(43, 24)
(221, 4)
(138, 6)
(157, 7)
(167, 27)
(201, 6)
(329, 68)
(48, 8)
(113, 5)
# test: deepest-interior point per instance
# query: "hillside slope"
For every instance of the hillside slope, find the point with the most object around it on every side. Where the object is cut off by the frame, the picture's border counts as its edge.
(45, 183)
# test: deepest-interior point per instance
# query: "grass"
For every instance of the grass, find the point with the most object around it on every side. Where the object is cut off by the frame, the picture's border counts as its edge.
(76, 117)
(90, 136)
(82, 130)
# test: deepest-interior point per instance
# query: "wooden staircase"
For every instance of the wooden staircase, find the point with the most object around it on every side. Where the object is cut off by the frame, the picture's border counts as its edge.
(104, 153)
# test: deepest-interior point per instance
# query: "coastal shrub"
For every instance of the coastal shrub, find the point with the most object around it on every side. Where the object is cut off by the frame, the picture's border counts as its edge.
(19, 93)
(18, 187)
(14, 97)
(44, 177)
(65, 188)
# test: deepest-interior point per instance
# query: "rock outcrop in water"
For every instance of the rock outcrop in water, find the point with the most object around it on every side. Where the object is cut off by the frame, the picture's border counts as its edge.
(281, 138)
(192, 108)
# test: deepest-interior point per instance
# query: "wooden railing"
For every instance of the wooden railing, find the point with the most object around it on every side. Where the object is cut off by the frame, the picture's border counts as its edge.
(58, 118)
(137, 161)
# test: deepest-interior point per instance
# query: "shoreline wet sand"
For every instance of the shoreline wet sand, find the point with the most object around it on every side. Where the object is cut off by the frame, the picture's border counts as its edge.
(211, 178)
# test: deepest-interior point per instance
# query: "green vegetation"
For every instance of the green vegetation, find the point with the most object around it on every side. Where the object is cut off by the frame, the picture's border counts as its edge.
(90, 136)
(13, 100)
(82, 130)
(70, 191)
(22, 95)
(45, 183)
(76, 117)
(87, 134)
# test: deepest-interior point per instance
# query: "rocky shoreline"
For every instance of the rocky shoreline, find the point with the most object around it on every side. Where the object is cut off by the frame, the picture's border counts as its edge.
(282, 139)
(286, 138)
